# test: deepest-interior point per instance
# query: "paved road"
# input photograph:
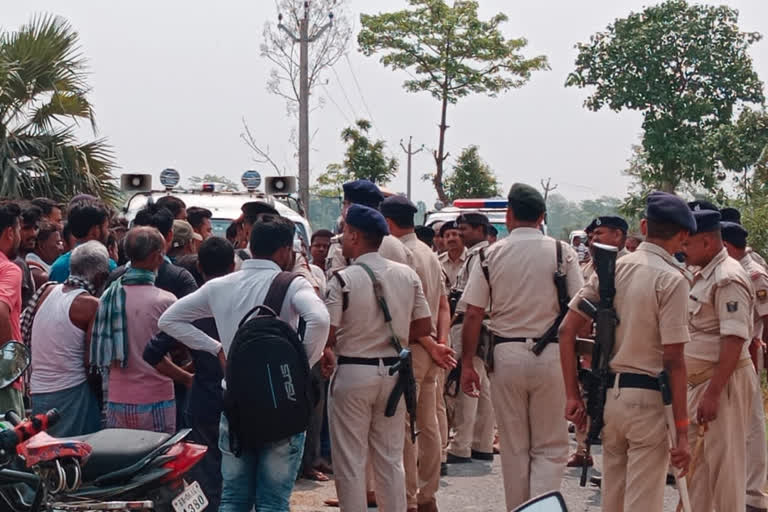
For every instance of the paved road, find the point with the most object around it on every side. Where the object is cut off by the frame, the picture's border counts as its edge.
(475, 487)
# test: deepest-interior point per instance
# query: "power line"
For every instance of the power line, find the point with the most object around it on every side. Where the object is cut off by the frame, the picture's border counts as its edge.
(344, 93)
(360, 92)
(341, 111)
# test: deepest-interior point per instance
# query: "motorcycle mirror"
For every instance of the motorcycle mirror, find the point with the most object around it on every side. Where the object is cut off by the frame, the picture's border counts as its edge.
(14, 360)
(550, 502)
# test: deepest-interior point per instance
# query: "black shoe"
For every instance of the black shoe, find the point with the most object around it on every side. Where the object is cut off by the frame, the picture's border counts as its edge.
(670, 479)
(596, 480)
(454, 459)
(571, 428)
(482, 455)
(443, 469)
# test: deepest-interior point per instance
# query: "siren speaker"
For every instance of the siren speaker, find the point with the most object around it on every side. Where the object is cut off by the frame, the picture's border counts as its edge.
(136, 182)
(280, 185)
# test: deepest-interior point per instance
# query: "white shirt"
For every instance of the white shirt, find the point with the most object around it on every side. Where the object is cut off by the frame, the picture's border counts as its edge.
(228, 299)
(34, 258)
(319, 275)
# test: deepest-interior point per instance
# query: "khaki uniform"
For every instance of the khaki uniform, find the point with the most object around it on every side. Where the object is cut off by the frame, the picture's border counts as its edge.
(528, 390)
(721, 304)
(451, 267)
(757, 258)
(757, 459)
(422, 460)
(652, 305)
(473, 418)
(391, 249)
(358, 393)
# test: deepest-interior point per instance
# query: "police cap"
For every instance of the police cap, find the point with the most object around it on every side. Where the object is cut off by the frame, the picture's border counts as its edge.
(702, 204)
(591, 227)
(362, 192)
(398, 206)
(367, 219)
(668, 208)
(707, 221)
(731, 215)
(526, 195)
(610, 221)
(252, 209)
(446, 226)
(472, 218)
(425, 233)
(734, 233)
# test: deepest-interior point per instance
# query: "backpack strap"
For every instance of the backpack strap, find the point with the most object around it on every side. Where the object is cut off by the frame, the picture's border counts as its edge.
(273, 302)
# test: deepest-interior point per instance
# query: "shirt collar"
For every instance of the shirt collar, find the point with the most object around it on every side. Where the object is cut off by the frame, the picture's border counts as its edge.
(408, 237)
(478, 247)
(525, 234)
(710, 267)
(257, 264)
(369, 257)
(460, 259)
(658, 251)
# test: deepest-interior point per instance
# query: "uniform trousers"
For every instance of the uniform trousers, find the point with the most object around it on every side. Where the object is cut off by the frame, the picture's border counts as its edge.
(720, 479)
(357, 403)
(473, 419)
(442, 414)
(422, 459)
(756, 451)
(529, 400)
(635, 450)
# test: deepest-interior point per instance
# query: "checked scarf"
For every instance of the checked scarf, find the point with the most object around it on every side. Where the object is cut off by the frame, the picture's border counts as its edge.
(28, 315)
(109, 339)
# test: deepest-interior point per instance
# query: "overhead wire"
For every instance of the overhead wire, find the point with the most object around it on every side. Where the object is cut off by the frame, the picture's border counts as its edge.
(344, 93)
(362, 97)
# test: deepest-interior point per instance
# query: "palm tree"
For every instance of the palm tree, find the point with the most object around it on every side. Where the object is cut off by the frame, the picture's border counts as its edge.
(43, 96)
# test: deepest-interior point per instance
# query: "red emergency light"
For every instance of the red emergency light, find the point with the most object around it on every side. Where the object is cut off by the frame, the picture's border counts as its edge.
(480, 203)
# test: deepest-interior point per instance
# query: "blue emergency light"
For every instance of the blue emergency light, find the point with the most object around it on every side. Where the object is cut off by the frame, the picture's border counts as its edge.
(480, 203)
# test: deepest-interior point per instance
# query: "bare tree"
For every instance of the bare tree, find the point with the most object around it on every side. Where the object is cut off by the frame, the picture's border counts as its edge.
(283, 51)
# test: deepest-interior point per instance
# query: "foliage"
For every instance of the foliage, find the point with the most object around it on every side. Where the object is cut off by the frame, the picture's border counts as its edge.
(225, 183)
(43, 94)
(363, 159)
(282, 50)
(564, 216)
(471, 177)
(324, 211)
(450, 53)
(684, 67)
(738, 146)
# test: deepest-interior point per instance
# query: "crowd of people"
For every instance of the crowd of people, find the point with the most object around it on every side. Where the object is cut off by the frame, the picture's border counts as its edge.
(132, 326)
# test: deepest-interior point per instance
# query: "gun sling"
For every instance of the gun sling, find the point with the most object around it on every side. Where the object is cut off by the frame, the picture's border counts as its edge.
(368, 361)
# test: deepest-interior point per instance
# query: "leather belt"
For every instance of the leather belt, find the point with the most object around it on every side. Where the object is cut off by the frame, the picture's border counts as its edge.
(368, 361)
(634, 380)
(502, 339)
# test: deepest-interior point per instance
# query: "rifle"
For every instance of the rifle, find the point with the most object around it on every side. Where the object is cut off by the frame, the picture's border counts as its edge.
(595, 382)
(561, 285)
(406, 382)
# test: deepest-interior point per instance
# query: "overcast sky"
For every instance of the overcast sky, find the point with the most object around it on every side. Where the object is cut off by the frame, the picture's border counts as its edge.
(172, 79)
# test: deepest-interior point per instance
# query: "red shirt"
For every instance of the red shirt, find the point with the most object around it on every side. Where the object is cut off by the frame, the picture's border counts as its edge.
(10, 292)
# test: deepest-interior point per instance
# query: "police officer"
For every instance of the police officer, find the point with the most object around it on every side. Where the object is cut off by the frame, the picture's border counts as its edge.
(430, 354)
(735, 241)
(474, 418)
(528, 392)
(652, 303)
(455, 254)
(734, 215)
(360, 341)
(368, 194)
(720, 377)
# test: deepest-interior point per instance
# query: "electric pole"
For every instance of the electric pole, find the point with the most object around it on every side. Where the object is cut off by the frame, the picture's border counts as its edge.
(547, 188)
(303, 39)
(410, 153)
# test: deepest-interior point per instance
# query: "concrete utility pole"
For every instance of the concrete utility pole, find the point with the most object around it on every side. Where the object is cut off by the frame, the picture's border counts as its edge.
(547, 188)
(410, 153)
(304, 39)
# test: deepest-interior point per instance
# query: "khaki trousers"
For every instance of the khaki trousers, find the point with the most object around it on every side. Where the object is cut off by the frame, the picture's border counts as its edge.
(474, 420)
(442, 414)
(756, 451)
(422, 459)
(529, 400)
(720, 480)
(360, 430)
(635, 451)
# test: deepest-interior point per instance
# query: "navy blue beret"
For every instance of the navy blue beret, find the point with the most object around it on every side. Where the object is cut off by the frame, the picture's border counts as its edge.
(591, 227)
(446, 226)
(734, 233)
(397, 206)
(668, 208)
(610, 221)
(731, 215)
(702, 204)
(707, 220)
(425, 233)
(472, 218)
(367, 219)
(363, 192)
(253, 209)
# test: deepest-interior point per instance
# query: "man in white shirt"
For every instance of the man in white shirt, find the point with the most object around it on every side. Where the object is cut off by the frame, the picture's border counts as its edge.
(265, 477)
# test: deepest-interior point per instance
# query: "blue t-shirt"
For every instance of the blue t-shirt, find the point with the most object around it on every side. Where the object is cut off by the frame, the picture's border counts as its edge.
(60, 269)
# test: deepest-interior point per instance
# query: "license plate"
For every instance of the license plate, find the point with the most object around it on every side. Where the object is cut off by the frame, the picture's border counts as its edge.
(191, 500)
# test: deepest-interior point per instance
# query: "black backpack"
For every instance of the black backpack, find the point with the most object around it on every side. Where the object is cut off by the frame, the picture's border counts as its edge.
(269, 394)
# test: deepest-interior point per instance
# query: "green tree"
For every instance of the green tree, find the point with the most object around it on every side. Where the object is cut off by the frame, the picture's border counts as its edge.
(43, 94)
(363, 159)
(471, 177)
(684, 67)
(739, 145)
(226, 184)
(450, 53)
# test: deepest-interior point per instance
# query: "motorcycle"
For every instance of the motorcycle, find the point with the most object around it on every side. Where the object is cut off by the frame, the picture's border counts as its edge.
(112, 469)
(549, 502)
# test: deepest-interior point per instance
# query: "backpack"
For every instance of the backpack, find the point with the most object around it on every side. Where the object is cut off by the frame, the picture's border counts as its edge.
(269, 394)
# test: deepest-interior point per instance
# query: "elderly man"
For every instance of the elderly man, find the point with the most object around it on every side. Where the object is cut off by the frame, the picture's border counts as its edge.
(139, 397)
(49, 247)
(62, 315)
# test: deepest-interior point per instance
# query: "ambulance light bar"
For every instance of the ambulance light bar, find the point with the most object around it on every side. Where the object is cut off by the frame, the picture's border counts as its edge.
(480, 203)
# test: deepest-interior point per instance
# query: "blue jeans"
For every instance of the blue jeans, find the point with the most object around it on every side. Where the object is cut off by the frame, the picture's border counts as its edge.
(263, 479)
